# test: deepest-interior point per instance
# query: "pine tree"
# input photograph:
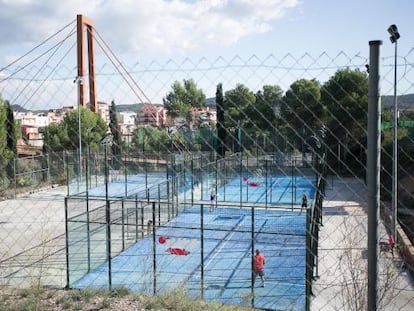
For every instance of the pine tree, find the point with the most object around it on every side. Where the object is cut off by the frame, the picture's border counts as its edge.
(221, 131)
(116, 134)
(11, 141)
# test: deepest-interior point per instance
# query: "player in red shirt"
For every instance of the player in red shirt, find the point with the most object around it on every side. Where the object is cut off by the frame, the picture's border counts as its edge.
(258, 266)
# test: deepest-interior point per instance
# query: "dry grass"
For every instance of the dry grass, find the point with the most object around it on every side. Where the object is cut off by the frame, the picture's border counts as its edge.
(120, 299)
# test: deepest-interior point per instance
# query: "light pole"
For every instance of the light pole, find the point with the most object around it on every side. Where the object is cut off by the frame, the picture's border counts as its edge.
(78, 80)
(87, 197)
(107, 140)
(394, 36)
(88, 153)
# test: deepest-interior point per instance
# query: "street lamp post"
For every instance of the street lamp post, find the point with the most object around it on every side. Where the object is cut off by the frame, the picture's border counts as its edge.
(78, 81)
(87, 197)
(394, 36)
(106, 141)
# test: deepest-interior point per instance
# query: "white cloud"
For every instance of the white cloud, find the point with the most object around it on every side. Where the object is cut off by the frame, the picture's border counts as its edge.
(151, 25)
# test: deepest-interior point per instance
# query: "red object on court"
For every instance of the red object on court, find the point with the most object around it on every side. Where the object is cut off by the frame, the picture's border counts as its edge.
(162, 239)
(253, 184)
(177, 251)
(245, 179)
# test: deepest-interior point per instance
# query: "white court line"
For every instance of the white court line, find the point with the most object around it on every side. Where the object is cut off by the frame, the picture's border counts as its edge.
(221, 246)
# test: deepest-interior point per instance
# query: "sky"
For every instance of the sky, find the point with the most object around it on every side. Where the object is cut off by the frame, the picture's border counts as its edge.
(158, 30)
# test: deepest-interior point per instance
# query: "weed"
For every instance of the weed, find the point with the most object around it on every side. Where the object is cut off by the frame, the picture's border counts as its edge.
(105, 304)
(120, 292)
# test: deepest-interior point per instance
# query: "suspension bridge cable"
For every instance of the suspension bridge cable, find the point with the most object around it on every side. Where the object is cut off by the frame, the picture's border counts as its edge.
(123, 67)
(37, 46)
(122, 75)
(52, 71)
(56, 47)
(36, 58)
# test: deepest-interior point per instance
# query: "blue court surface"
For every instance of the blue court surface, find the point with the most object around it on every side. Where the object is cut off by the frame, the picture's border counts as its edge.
(278, 190)
(133, 185)
(219, 257)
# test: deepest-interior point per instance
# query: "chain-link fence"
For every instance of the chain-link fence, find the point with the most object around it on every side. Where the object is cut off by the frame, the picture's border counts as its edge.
(144, 217)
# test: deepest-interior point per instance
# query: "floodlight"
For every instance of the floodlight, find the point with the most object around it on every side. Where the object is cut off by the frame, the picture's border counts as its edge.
(106, 139)
(393, 31)
(395, 35)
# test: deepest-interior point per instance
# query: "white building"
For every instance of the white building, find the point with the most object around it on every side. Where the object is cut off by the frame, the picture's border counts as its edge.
(127, 124)
(32, 119)
(127, 117)
(103, 111)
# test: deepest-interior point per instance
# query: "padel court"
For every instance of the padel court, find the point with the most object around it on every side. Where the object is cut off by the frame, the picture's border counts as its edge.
(207, 249)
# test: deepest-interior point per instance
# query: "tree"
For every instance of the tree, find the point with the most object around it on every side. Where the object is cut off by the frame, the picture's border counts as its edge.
(8, 143)
(301, 106)
(54, 137)
(345, 96)
(65, 135)
(267, 103)
(4, 152)
(116, 134)
(11, 139)
(221, 130)
(148, 138)
(302, 112)
(11, 129)
(266, 116)
(4, 130)
(182, 98)
(238, 102)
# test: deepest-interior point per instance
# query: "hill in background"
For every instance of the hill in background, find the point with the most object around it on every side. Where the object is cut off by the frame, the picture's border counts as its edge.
(133, 107)
(405, 102)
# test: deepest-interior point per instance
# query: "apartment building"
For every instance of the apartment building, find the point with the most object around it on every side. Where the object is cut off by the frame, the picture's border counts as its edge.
(201, 116)
(153, 115)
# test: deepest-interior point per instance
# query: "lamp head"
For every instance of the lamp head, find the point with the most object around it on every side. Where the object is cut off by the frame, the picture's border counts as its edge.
(393, 31)
(107, 139)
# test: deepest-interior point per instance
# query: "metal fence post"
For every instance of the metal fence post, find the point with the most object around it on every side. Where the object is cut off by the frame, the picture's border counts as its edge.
(136, 221)
(292, 172)
(373, 172)
(15, 177)
(309, 259)
(159, 205)
(108, 221)
(88, 233)
(67, 244)
(126, 174)
(202, 251)
(49, 181)
(266, 183)
(252, 254)
(142, 220)
(154, 250)
(168, 200)
(192, 179)
(241, 179)
(123, 224)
